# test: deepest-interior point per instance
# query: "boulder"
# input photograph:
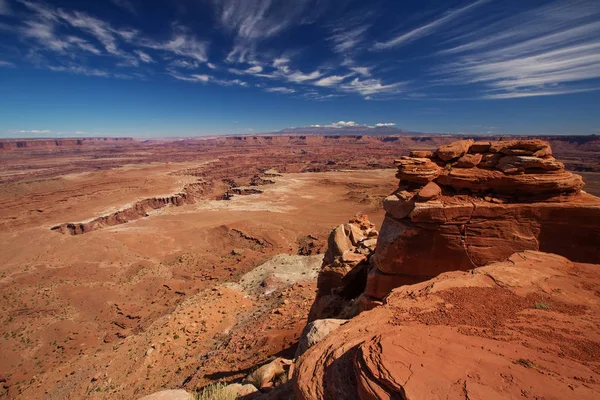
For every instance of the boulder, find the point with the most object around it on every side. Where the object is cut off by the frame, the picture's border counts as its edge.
(265, 376)
(237, 390)
(521, 147)
(454, 150)
(429, 192)
(421, 154)
(398, 206)
(480, 147)
(338, 242)
(490, 160)
(417, 170)
(469, 161)
(519, 164)
(355, 233)
(316, 331)
(532, 185)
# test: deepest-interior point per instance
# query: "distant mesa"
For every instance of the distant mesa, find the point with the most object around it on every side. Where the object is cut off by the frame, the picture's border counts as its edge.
(33, 144)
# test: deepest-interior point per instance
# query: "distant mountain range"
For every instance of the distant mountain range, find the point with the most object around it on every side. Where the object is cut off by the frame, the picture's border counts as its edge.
(351, 130)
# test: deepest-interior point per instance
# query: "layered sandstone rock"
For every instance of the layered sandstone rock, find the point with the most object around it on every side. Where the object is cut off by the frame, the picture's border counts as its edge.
(472, 203)
(524, 328)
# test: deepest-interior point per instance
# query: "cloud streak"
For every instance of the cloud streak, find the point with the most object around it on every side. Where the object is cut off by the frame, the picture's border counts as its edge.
(532, 60)
(427, 29)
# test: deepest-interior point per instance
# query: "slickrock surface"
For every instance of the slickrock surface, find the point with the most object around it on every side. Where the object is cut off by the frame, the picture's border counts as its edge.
(473, 203)
(524, 328)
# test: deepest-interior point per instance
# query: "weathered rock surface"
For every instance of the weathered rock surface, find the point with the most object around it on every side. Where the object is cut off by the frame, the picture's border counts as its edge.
(417, 170)
(345, 266)
(524, 328)
(469, 160)
(430, 191)
(316, 331)
(237, 390)
(265, 376)
(454, 150)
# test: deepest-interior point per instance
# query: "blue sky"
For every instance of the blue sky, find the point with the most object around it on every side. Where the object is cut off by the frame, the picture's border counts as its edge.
(201, 67)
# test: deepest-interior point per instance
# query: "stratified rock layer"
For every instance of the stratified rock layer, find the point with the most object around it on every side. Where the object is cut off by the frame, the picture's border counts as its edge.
(470, 204)
(524, 328)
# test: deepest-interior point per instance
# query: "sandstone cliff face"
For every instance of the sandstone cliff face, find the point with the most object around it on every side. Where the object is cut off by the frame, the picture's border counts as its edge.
(524, 328)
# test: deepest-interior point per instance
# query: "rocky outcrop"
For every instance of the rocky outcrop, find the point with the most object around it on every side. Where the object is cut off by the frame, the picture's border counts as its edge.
(473, 203)
(138, 210)
(344, 271)
(315, 332)
(265, 376)
(524, 328)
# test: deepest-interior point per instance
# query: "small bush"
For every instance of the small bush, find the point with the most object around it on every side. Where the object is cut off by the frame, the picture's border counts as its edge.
(541, 305)
(215, 391)
(525, 362)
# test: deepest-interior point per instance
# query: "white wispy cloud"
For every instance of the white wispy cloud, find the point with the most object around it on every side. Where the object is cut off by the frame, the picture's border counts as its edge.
(368, 87)
(364, 71)
(255, 70)
(36, 131)
(280, 62)
(346, 39)
(80, 70)
(316, 96)
(280, 90)
(253, 21)
(330, 81)
(144, 56)
(259, 19)
(181, 43)
(301, 77)
(7, 64)
(187, 64)
(384, 124)
(427, 29)
(44, 29)
(203, 78)
(558, 54)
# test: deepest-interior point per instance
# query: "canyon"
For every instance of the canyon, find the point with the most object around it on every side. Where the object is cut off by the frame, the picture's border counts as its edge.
(130, 267)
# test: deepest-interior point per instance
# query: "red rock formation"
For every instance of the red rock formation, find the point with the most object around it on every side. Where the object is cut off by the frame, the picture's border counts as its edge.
(476, 203)
(524, 328)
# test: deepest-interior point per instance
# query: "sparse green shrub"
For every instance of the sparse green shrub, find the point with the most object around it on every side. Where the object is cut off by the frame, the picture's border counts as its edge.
(541, 305)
